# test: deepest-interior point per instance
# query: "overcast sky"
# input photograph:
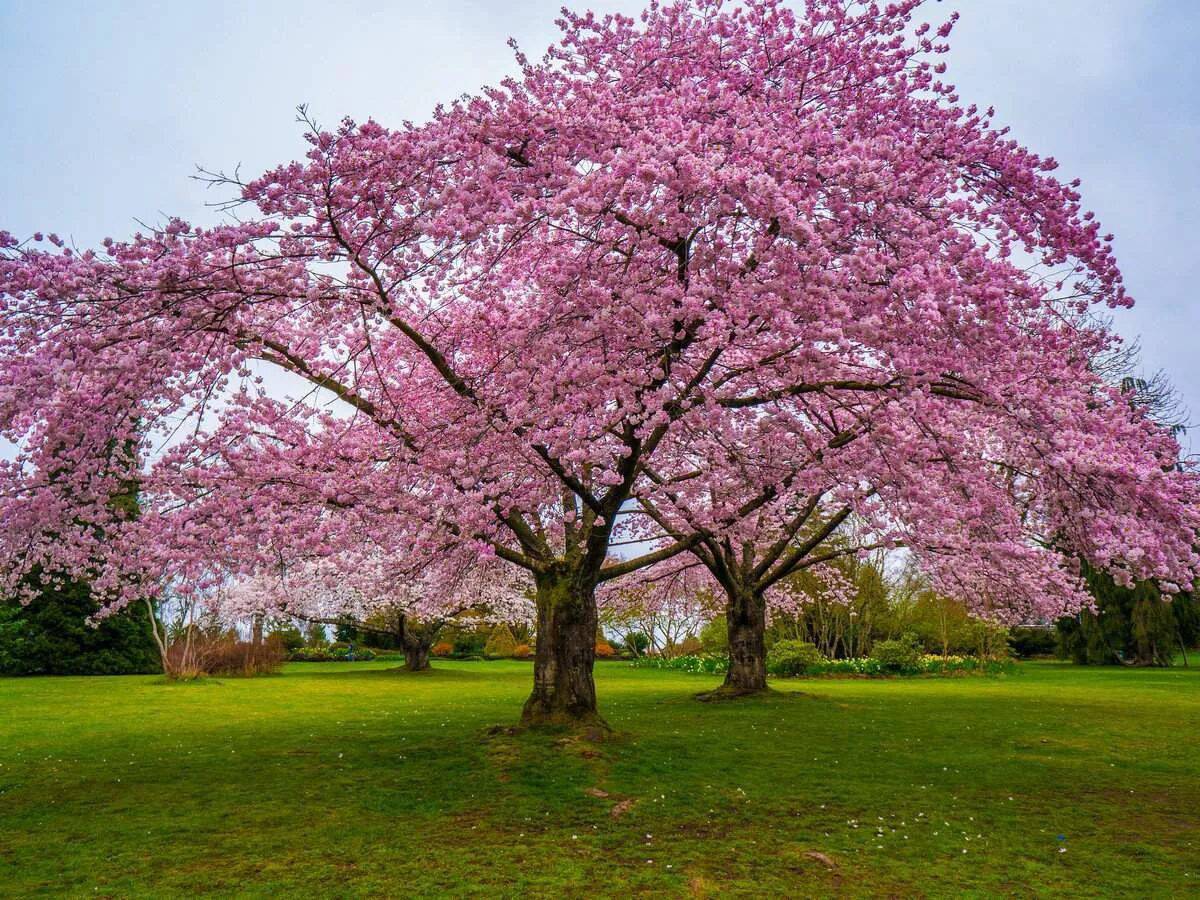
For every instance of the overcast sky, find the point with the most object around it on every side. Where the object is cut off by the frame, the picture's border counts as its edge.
(108, 106)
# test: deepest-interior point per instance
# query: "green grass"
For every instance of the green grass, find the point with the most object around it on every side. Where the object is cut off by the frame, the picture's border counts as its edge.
(350, 779)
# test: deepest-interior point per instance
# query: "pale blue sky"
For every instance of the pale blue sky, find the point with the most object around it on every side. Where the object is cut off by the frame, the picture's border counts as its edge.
(107, 107)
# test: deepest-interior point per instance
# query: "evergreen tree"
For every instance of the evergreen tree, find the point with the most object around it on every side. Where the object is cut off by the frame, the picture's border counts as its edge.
(51, 636)
(1130, 625)
(316, 635)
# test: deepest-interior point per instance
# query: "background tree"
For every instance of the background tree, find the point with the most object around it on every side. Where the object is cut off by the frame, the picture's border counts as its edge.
(52, 634)
(1129, 625)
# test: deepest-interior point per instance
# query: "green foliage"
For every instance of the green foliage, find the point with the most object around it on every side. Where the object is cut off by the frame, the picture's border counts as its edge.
(501, 644)
(469, 643)
(337, 652)
(637, 643)
(793, 657)
(700, 663)
(382, 632)
(315, 635)
(901, 655)
(838, 629)
(1028, 643)
(289, 635)
(714, 637)
(345, 631)
(51, 636)
(925, 665)
(1130, 625)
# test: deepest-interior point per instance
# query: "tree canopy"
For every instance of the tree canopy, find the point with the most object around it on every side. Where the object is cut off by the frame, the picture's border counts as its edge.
(713, 279)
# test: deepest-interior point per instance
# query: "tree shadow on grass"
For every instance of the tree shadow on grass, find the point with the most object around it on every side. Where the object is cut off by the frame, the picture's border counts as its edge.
(434, 673)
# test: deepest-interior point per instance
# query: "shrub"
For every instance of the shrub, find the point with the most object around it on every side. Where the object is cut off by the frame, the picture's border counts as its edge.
(469, 643)
(501, 644)
(442, 648)
(689, 646)
(1029, 642)
(707, 664)
(716, 664)
(793, 657)
(339, 652)
(197, 652)
(604, 650)
(522, 651)
(900, 655)
(230, 656)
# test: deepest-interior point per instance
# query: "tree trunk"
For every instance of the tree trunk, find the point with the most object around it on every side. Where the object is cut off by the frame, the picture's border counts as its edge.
(416, 639)
(564, 692)
(746, 618)
(416, 655)
(256, 630)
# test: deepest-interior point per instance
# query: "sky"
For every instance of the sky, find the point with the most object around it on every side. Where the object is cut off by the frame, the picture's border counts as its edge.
(108, 107)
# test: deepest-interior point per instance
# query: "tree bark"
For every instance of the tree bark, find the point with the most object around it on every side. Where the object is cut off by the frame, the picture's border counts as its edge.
(746, 618)
(256, 630)
(416, 656)
(416, 638)
(564, 692)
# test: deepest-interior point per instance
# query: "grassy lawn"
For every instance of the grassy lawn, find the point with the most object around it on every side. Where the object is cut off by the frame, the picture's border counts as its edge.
(351, 779)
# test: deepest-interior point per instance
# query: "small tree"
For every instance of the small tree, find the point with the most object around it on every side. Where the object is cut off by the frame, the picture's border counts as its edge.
(315, 634)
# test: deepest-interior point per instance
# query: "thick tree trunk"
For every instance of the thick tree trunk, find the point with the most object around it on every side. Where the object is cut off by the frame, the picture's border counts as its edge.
(416, 638)
(563, 690)
(746, 618)
(416, 656)
(256, 630)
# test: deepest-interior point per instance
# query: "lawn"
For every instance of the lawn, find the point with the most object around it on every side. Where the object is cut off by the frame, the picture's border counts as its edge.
(354, 779)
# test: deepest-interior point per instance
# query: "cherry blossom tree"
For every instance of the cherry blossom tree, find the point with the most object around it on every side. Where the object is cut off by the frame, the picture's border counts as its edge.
(667, 603)
(759, 271)
(413, 605)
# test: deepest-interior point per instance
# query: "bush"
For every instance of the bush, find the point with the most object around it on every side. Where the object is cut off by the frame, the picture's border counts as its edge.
(442, 649)
(469, 643)
(793, 657)
(901, 655)
(198, 652)
(339, 652)
(1027, 643)
(716, 664)
(522, 651)
(233, 657)
(604, 650)
(501, 644)
(707, 664)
